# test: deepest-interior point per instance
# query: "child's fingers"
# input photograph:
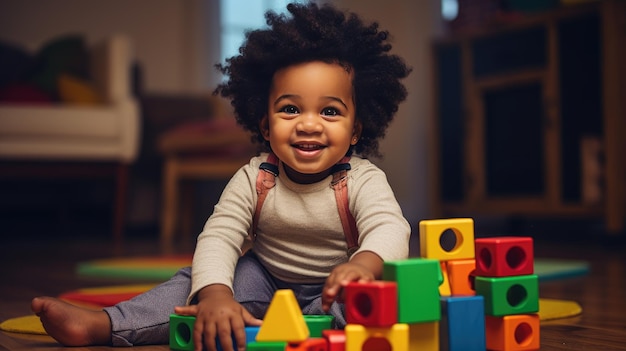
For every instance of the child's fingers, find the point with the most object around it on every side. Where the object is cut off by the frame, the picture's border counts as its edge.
(186, 310)
(204, 334)
(249, 319)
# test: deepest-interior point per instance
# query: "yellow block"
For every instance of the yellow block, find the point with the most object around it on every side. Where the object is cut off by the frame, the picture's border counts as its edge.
(424, 336)
(432, 230)
(283, 320)
(444, 287)
(360, 338)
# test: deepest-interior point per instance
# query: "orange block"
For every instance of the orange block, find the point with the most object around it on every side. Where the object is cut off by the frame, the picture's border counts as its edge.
(283, 320)
(512, 333)
(459, 276)
(312, 344)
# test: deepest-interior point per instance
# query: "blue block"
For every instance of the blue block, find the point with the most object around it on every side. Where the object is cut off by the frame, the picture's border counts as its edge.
(251, 333)
(462, 325)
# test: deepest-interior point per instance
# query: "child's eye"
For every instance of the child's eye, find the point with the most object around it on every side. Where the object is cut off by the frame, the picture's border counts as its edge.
(290, 109)
(330, 111)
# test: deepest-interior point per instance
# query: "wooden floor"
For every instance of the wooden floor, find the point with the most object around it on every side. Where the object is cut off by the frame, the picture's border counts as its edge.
(30, 268)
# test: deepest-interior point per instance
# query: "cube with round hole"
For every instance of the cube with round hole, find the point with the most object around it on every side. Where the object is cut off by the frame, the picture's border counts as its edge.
(509, 295)
(372, 304)
(460, 276)
(514, 333)
(181, 332)
(504, 256)
(447, 239)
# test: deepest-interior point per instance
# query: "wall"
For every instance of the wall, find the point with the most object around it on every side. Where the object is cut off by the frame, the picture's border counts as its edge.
(168, 35)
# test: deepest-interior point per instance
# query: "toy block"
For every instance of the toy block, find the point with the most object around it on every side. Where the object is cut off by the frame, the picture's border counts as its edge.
(311, 344)
(509, 295)
(266, 346)
(283, 320)
(504, 256)
(418, 282)
(462, 325)
(251, 333)
(433, 231)
(362, 338)
(424, 336)
(372, 304)
(181, 332)
(318, 323)
(460, 276)
(512, 333)
(336, 339)
(444, 287)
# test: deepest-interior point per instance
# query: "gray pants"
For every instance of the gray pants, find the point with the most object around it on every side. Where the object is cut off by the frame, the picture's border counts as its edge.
(144, 320)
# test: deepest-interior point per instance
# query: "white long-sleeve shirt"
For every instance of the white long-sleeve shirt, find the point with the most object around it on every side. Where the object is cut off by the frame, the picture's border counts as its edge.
(299, 236)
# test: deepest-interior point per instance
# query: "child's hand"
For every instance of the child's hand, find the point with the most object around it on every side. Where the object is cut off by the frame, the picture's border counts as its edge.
(363, 267)
(218, 315)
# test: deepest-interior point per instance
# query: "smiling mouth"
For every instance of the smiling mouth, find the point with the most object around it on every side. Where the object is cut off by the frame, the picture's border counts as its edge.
(308, 147)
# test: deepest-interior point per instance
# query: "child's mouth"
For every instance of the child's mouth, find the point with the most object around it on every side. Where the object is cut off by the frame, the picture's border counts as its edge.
(308, 147)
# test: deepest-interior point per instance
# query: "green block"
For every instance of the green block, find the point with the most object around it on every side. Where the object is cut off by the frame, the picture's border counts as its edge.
(418, 282)
(266, 346)
(318, 323)
(509, 295)
(181, 332)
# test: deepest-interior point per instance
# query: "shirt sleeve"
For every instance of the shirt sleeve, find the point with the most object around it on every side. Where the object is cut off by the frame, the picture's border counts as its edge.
(382, 227)
(219, 244)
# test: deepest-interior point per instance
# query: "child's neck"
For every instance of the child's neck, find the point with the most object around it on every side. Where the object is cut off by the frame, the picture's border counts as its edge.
(305, 178)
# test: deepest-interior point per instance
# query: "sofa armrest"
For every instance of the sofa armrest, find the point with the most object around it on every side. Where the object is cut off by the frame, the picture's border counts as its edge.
(111, 62)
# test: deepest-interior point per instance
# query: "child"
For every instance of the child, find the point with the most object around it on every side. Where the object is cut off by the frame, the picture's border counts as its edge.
(312, 88)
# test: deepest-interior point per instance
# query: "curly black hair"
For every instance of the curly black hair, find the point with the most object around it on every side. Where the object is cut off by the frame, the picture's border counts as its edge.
(315, 33)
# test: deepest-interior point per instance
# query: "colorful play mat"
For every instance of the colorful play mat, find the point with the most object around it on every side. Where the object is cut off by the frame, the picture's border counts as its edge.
(158, 269)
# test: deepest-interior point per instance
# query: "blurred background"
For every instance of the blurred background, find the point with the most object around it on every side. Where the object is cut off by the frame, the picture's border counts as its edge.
(514, 115)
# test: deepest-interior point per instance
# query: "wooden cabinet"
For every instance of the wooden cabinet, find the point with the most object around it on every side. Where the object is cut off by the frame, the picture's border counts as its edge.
(530, 118)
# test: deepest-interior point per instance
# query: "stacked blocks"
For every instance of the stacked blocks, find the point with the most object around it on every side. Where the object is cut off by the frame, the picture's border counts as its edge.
(462, 294)
(504, 276)
(457, 262)
(462, 325)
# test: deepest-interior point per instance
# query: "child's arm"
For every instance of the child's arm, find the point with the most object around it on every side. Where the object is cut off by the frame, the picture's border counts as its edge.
(218, 315)
(364, 266)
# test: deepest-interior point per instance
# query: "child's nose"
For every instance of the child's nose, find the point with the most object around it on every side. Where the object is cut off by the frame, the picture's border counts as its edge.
(309, 123)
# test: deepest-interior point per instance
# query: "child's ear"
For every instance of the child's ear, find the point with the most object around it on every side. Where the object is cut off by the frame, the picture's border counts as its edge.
(356, 133)
(264, 127)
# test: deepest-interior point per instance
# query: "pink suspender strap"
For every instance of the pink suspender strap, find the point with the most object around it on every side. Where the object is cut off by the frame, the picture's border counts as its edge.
(340, 186)
(266, 180)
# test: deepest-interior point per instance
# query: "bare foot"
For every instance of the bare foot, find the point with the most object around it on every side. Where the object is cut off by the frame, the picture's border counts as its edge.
(72, 325)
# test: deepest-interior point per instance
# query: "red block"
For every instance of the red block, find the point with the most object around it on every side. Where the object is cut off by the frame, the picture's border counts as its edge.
(504, 256)
(335, 339)
(372, 304)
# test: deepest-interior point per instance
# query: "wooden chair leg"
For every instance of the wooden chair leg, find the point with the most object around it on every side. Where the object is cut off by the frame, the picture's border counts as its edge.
(169, 205)
(119, 209)
(187, 215)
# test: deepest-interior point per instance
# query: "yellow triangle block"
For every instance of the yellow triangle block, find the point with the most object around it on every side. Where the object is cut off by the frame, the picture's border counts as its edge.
(284, 320)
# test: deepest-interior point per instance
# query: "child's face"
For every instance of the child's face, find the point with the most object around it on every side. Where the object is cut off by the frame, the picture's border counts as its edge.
(310, 123)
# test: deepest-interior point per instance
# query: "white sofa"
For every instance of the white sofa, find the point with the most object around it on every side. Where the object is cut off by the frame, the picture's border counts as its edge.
(62, 134)
(107, 132)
